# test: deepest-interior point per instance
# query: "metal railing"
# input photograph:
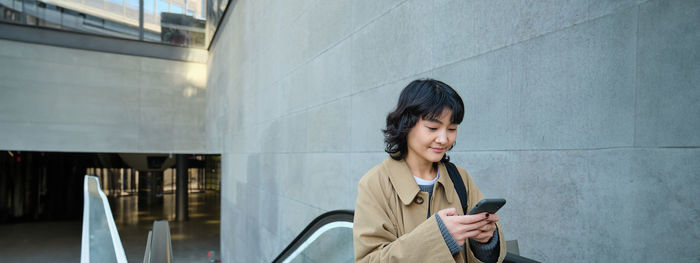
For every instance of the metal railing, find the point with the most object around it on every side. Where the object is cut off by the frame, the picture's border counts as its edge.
(159, 248)
(100, 239)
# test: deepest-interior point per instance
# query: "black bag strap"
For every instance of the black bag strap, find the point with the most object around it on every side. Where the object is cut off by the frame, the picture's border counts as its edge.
(458, 183)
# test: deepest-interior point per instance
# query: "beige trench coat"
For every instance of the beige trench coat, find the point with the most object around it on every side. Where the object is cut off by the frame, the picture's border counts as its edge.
(390, 222)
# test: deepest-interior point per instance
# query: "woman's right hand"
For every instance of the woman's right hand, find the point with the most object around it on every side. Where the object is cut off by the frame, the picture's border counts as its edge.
(463, 227)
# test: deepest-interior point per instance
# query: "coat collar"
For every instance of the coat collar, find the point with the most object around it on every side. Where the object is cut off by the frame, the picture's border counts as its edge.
(406, 187)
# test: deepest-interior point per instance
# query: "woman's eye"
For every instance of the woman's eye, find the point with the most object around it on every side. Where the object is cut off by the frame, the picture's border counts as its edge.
(452, 129)
(431, 128)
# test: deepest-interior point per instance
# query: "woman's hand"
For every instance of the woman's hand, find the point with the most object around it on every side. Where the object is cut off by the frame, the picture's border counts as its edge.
(478, 227)
(485, 233)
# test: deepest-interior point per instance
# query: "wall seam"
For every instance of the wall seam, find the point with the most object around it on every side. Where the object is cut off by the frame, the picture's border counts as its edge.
(636, 80)
(335, 44)
(620, 10)
(491, 150)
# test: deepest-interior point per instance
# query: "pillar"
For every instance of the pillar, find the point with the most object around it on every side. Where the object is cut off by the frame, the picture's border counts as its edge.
(18, 188)
(181, 188)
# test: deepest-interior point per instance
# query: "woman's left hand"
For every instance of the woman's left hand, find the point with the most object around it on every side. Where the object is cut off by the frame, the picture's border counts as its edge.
(487, 230)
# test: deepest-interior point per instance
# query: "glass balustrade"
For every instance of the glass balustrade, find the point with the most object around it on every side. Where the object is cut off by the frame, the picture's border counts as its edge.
(187, 23)
(100, 239)
(331, 243)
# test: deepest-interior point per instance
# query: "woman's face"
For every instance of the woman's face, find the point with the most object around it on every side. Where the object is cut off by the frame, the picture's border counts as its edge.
(429, 139)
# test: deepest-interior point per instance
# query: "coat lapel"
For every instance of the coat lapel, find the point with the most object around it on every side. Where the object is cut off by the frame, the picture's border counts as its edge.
(402, 180)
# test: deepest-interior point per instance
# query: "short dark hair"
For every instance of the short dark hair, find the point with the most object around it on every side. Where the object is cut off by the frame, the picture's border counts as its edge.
(422, 98)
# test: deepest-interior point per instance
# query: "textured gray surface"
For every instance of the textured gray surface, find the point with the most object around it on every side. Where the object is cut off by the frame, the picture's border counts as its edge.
(668, 66)
(566, 105)
(471, 28)
(60, 99)
(395, 45)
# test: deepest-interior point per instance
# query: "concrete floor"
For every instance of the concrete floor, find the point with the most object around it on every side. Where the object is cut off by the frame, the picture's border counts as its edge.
(60, 241)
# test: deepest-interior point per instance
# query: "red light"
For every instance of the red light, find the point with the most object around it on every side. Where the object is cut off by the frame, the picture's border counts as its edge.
(19, 159)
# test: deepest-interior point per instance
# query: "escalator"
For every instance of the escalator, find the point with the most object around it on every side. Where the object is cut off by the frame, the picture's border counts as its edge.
(328, 238)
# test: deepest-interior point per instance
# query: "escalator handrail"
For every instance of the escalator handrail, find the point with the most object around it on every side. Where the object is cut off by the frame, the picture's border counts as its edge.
(159, 247)
(91, 187)
(317, 223)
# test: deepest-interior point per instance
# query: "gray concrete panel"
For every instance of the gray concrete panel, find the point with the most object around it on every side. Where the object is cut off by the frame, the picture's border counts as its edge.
(247, 244)
(227, 242)
(328, 127)
(469, 28)
(365, 12)
(257, 209)
(570, 201)
(368, 116)
(292, 89)
(36, 52)
(181, 131)
(276, 50)
(491, 94)
(60, 73)
(316, 179)
(577, 85)
(668, 71)
(330, 75)
(53, 136)
(274, 137)
(61, 103)
(328, 22)
(294, 129)
(289, 49)
(272, 101)
(158, 137)
(75, 100)
(190, 112)
(665, 183)
(394, 46)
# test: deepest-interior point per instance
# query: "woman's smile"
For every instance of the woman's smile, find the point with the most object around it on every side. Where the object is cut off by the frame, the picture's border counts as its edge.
(438, 149)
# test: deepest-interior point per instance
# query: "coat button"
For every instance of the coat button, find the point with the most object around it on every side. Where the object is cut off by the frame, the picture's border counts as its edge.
(419, 200)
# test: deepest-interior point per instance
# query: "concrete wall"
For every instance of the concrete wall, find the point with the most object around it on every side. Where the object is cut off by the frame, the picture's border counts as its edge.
(583, 114)
(61, 99)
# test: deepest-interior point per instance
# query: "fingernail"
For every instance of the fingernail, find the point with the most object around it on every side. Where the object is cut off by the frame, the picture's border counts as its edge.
(487, 215)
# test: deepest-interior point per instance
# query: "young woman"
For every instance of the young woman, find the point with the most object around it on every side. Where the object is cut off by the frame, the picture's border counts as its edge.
(407, 207)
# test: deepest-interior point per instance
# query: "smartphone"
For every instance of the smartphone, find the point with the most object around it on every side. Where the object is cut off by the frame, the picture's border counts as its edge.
(488, 205)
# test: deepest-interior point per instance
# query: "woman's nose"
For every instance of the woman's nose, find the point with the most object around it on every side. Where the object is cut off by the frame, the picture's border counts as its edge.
(441, 138)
